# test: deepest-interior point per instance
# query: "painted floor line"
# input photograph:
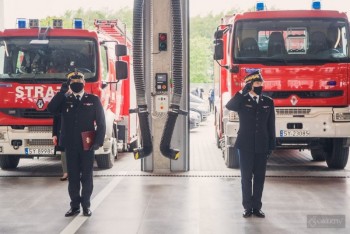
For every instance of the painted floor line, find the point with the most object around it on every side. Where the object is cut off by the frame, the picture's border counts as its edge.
(79, 220)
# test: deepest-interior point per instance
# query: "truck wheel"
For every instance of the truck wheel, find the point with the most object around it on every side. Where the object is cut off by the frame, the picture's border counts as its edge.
(231, 157)
(337, 157)
(217, 140)
(9, 162)
(114, 149)
(105, 161)
(318, 155)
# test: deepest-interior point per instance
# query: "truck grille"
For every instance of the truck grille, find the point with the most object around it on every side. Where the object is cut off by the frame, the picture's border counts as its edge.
(27, 113)
(40, 128)
(305, 94)
(32, 113)
(290, 111)
(39, 142)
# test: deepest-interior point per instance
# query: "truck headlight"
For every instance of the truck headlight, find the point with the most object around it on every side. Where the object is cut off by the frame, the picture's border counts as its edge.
(342, 116)
(233, 116)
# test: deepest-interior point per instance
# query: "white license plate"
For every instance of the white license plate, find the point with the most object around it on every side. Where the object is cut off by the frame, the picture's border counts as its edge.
(294, 133)
(30, 151)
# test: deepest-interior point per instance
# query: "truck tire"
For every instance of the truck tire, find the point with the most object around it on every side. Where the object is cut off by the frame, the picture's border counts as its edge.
(217, 140)
(105, 161)
(337, 157)
(231, 157)
(9, 162)
(115, 149)
(319, 155)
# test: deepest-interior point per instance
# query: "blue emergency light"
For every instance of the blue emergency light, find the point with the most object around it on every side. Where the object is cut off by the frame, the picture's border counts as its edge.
(332, 83)
(316, 5)
(260, 6)
(78, 23)
(21, 23)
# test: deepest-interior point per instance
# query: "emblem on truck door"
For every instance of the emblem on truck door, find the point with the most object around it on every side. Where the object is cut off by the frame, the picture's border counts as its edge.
(40, 103)
(294, 100)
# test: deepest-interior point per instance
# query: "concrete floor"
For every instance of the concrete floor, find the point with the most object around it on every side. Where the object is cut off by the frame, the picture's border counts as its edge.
(181, 205)
(205, 200)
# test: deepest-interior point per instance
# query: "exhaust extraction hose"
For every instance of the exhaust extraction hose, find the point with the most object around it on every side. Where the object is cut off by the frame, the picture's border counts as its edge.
(138, 55)
(177, 79)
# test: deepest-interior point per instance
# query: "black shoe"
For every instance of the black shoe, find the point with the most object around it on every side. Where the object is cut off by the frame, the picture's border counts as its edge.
(87, 212)
(258, 213)
(247, 213)
(63, 178)
(72, 211)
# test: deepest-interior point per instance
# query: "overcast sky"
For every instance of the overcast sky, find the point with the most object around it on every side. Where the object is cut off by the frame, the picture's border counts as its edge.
(42, 8)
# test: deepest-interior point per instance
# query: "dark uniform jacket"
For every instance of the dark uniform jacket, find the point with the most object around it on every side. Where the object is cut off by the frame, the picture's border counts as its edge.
(256, 123)
(78, 117)
(56, 131)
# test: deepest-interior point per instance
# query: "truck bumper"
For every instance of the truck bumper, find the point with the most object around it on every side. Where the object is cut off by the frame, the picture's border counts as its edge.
(315, 122)
(29, 141)
(302, 123)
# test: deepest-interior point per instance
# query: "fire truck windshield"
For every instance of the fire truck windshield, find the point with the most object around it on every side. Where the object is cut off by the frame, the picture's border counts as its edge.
(19, 59)
(288, 41)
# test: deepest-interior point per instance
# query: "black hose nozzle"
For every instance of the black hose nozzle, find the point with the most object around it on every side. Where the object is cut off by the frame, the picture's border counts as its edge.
(167, 135)
(142, 152)
(147, 148)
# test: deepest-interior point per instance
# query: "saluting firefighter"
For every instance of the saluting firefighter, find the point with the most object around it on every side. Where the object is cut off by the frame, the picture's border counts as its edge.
(255, 140)
(80, 112)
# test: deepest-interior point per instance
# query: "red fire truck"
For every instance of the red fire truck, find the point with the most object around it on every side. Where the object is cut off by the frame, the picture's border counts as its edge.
(303, 56)
(33, 63)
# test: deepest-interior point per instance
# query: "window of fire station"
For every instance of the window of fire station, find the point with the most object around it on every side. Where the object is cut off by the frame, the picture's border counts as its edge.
(21, 58)
(287, 41)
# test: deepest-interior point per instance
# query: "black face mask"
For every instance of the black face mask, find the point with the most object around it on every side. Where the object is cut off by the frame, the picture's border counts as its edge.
(76, 87)
(258, 90)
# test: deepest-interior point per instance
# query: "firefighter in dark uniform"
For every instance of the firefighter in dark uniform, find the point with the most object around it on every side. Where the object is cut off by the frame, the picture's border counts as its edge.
(255, 140)
(80, 112)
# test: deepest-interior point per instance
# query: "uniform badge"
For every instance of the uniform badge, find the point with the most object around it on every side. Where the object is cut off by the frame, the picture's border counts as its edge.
(88, 140)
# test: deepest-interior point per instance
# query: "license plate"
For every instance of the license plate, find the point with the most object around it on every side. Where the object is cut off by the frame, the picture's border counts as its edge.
(30, 151)
(294, 133)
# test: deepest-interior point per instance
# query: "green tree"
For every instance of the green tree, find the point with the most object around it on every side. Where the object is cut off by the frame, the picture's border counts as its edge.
(202, 29)
(200, 61)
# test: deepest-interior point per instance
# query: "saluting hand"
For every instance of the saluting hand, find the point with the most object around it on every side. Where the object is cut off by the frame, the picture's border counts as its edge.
(247, 88)
(64, 87)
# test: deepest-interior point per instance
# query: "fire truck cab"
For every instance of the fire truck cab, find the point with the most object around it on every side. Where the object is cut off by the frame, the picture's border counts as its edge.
(33, 63)
(303, 56)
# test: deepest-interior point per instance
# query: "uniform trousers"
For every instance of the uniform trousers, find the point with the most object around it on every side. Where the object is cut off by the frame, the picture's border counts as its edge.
(253, 168)
(64, 162)
(80, 170)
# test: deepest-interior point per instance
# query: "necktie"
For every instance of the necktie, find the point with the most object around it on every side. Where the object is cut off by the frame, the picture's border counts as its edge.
(255, 99)
(78, 98)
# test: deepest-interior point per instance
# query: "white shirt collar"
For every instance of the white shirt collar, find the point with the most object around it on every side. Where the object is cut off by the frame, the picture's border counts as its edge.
(257, 97)
(80, 94)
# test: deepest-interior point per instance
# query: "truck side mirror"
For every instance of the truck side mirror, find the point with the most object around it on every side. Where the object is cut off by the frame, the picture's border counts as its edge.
(120, 50)
(218, 49)
(218, 34)
(121, 68)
